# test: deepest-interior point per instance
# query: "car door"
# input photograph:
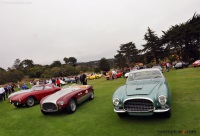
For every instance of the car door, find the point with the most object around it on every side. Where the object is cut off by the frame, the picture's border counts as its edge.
(82, 95)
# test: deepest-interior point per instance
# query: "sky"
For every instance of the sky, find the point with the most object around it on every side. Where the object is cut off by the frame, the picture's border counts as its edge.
(49, 30)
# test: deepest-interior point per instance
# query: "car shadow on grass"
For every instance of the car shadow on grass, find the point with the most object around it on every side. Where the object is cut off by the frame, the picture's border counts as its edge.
(157, 116)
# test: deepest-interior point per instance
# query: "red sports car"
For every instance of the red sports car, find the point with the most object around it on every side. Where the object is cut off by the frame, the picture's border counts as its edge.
(118, 75)
(31, 96)
(68, 98)
(196, 63)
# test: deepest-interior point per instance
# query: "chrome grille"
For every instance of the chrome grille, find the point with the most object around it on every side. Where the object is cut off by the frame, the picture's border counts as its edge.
(138, 105)
(49, 107)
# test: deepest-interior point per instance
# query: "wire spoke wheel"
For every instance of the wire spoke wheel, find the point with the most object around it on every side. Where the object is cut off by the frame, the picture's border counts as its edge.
(30, 101)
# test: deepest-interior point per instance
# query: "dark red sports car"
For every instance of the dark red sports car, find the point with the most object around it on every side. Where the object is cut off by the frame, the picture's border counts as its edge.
(68, 98)
(196, 63)
(31, 96)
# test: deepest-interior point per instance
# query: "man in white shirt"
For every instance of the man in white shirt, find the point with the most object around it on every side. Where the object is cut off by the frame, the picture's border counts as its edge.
(2, 93)
(114, 74)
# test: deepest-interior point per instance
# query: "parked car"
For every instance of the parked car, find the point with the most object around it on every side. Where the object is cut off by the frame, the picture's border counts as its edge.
(91, 77)
(70, 80)
(68, 98)
(62, 82)
(146, 92)
(118, 75)
(31, 96)
(196, 63)
(181, 65)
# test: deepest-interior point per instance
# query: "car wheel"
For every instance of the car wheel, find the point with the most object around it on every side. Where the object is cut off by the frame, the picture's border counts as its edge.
(121, 115)
(71, 108)
(167, 114)
(30, 101)
(18, 106)
(91, 95)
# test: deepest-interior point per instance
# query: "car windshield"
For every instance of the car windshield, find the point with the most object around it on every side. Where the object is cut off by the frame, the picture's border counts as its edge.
(47, 87)
(36, 87)
(140, 75)
(197, 61)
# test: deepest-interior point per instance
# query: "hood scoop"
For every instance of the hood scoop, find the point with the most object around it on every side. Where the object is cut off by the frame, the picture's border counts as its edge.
(140, 89)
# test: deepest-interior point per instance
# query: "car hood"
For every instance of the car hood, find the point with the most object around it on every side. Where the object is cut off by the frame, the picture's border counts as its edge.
(54, 97)
(141, 89)
(19, 92)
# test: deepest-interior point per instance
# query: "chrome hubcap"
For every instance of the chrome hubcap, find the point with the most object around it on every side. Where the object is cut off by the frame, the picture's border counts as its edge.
(73, 105)
(30, 102)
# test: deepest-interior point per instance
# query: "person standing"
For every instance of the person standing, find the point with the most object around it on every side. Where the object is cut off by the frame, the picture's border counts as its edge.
(53, 81)
(24, 87)
(18, 86)
(110, 74)
(58, 82)
(84, 79)
(167, 66)
(12, 88)
(9, 88)
(2, 93)
(6, 91)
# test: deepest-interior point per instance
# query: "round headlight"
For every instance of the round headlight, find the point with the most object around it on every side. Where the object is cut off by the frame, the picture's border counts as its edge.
(60, 102)
(162, 99)
(115, 101)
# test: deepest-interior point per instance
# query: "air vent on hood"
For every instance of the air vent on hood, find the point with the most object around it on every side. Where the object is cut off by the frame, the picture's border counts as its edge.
(139, 87)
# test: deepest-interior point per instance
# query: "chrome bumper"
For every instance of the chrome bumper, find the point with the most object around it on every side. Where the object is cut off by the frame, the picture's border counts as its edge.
(154, 111)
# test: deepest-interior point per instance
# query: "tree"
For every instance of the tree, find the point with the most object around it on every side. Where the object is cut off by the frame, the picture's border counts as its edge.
(183, 40)
(120, 60)
(1, 69)
(25, 65)
(153, 47)
(72, 61)
(69, 70)
(10, 76)
(56, 64)
(83, 68)
(128, 52)
(66, 60)
(97, 70)
(104, 65)
(16, 64)
(36, 71)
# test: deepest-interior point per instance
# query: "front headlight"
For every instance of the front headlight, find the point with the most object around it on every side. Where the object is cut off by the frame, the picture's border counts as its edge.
(61, 102)
(115, 101)
(162, 99)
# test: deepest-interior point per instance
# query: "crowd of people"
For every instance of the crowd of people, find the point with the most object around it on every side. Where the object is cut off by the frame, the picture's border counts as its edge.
(6, 90)
(112, 74)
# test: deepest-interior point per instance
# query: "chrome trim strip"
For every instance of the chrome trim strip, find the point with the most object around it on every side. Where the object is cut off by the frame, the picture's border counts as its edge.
(161, 110)
(120, 111)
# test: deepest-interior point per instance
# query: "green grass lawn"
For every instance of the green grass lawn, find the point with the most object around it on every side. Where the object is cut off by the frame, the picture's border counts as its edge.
(97, 118)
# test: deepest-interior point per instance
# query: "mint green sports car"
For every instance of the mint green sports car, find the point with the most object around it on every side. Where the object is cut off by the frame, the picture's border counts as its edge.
(146, 92)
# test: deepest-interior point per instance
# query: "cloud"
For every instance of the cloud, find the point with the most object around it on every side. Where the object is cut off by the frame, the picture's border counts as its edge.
(49, 30)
